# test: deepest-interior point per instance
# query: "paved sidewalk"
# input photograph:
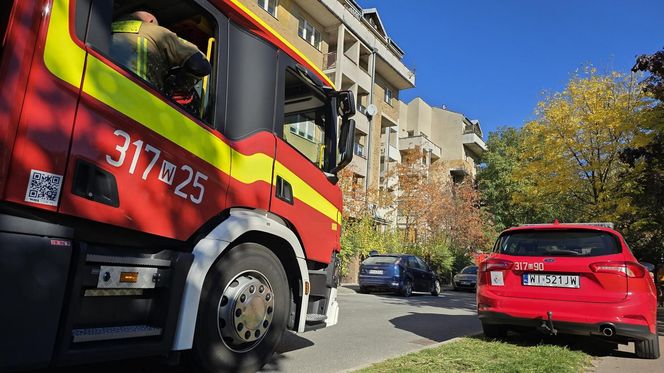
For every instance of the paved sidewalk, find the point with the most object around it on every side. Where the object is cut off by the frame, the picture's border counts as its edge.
(623, 360)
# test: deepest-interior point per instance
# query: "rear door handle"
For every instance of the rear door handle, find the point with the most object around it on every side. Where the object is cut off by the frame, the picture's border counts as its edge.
(284, 190)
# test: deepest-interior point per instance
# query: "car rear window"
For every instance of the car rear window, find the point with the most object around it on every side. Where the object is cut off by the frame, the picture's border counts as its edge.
(381, 260)
(469, 271)
(557, 243)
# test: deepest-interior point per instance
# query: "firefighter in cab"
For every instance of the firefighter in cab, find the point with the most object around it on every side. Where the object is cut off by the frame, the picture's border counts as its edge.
(169, 63)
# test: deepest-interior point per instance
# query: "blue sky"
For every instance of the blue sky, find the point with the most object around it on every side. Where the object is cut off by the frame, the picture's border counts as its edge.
(492, 59)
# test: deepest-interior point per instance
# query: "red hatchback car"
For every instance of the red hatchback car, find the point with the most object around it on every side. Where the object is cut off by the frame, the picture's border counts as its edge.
(568, 278)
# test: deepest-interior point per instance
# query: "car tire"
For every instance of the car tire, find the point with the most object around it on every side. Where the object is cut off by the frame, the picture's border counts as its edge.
(364, 290)
(407, 289)
(234, 280)
(493, 331)
(648, 348)
(436, 288)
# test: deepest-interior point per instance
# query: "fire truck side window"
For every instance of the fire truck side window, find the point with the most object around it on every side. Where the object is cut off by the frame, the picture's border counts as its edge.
(252, 70)
(304, 119)
(169, 45)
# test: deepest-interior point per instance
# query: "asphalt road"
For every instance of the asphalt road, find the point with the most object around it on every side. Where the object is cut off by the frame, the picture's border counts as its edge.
(373, 327)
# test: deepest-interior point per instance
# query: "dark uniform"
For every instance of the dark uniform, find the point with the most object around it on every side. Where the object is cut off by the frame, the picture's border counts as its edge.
(149, 50)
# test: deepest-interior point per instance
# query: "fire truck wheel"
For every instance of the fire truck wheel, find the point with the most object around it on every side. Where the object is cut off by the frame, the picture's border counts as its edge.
(243, 311)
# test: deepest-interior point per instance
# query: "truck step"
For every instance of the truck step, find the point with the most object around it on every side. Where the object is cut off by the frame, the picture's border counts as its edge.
(115, 332)
(315, 317)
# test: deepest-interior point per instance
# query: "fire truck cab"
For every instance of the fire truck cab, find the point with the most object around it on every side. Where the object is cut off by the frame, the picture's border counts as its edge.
(133, 224)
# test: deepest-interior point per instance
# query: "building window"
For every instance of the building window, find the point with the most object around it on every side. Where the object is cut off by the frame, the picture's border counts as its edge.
(309, 33)
(303, 127)
(388, 96)
(269, 6)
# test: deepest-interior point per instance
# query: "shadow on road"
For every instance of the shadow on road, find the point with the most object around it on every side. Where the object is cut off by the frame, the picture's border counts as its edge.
(460, 301)
(289, 342)
(435, 327)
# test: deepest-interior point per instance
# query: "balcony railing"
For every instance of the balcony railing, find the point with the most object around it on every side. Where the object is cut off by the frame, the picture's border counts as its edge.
(472, 129)
(422, 141)
(329, 60)
(360, 150)
(390, 152)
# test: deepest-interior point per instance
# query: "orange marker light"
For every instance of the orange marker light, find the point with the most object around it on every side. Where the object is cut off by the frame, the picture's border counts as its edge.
(129, 277)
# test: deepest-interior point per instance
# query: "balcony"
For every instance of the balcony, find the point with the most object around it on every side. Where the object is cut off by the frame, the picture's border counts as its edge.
(330, 61)
(474, 143)
(333, 62)
(361, 123)
(421, 141)
(390, 182)
(359, 166)
(391, 152)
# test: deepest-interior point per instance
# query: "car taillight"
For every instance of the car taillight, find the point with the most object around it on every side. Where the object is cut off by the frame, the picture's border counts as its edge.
(628, 269)
(495, 265)
(397, 273)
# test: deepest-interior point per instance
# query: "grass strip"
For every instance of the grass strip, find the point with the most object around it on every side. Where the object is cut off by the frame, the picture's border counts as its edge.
(479, 355)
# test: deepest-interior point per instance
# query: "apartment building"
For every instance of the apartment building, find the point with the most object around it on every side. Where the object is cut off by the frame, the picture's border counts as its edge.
(352, 47)
(442, 134)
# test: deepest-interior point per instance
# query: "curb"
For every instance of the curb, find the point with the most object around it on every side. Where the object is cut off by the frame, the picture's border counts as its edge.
(367, 365)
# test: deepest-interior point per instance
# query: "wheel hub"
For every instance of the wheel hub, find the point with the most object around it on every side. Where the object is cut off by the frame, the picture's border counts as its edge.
(246, 310)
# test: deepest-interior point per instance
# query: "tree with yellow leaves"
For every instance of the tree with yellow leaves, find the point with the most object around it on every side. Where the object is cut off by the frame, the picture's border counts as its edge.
(571, 158)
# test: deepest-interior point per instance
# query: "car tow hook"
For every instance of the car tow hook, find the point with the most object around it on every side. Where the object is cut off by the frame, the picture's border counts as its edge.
(547, 326)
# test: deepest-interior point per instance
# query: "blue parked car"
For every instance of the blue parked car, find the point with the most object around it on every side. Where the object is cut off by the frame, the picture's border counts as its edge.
(399, 273)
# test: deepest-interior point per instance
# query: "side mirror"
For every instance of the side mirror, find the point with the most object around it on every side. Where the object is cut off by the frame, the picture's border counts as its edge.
(346, 140)
(346, 104)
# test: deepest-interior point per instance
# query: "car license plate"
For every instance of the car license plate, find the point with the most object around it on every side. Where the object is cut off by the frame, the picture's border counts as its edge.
(557, 281)
(375, 271)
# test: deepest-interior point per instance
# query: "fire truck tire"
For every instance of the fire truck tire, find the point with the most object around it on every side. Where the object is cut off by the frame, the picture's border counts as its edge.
(243, 311)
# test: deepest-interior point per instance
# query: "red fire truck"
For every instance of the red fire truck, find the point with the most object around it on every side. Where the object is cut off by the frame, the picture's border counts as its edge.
(132, 226)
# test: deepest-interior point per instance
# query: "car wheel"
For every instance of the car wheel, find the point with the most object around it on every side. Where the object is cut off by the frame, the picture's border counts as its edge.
(243, 311)
(407, 288)
(364, 290)
(493, 331)
(436, 288)
(648, 348)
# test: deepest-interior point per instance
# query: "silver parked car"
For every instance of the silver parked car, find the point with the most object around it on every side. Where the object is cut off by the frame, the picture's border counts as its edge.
(466, 279)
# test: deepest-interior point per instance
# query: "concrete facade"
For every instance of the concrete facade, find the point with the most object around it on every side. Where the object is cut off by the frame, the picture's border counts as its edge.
(444, 135)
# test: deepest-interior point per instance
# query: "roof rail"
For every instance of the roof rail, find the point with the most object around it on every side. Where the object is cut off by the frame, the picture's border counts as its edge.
(598, 224)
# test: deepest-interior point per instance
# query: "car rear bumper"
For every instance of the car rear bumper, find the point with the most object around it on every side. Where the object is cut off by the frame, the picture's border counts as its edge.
(634, 316)
(387, 284)
(628, 331)
(460, 285)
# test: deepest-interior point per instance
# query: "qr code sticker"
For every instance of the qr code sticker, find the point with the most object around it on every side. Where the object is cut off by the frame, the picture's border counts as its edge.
(44, 188)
